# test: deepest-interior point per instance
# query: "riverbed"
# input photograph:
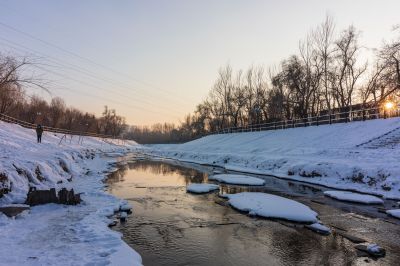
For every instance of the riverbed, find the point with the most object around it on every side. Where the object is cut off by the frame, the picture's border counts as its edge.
(172, 227)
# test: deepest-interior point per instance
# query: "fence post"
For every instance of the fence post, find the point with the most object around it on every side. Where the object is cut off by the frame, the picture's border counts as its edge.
(317, 120)
(275, 125)
(330, 118)
(363, 114)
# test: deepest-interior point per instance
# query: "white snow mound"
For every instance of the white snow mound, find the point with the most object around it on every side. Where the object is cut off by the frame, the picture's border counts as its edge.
(272, 206)
(353, 197)
(319, 228)
(394, 213)
(201, 188)
(238, 179)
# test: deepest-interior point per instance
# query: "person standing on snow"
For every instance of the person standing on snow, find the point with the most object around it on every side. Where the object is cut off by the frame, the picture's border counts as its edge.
(39, 132)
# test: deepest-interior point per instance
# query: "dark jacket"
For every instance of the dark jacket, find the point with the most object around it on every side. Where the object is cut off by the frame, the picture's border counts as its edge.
(39, 130)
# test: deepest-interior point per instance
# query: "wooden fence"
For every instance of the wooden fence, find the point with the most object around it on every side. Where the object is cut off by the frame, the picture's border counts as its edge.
(334, 118)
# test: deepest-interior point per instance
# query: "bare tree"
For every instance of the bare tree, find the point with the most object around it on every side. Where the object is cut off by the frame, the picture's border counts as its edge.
(374, 87)
(324, 43)
(56, 111)
(347, 72)
(390, 54)
(10, 97)
(10, 76)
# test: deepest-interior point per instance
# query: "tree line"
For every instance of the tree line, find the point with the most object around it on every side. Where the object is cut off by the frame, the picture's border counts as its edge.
(326, 74)
(15, 102)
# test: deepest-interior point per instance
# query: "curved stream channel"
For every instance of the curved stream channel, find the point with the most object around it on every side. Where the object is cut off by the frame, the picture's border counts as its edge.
(171, 227)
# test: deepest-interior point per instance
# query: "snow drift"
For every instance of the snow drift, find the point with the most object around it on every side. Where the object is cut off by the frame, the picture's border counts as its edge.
(68, 235)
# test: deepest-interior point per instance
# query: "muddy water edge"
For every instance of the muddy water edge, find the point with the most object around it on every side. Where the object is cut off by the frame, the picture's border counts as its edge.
(171, 227)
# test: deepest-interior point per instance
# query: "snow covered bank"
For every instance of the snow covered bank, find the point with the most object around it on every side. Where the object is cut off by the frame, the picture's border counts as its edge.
(272, 206)
(361, 156)
(54, 234)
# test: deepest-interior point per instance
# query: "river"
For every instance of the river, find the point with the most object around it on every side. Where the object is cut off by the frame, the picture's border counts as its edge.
(171, 227)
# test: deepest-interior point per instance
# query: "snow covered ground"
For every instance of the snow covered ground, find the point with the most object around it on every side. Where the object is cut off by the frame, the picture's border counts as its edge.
(55, 234)
(361, 156)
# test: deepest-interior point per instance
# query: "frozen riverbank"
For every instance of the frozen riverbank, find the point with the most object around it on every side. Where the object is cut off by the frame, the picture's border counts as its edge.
(55, 234)
(360, 156)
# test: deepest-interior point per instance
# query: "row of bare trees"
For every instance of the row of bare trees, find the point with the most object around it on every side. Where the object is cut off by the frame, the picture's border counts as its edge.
(329, 73)
(33, 109)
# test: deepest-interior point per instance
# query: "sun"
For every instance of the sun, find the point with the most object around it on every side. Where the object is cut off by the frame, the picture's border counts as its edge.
(389, 105)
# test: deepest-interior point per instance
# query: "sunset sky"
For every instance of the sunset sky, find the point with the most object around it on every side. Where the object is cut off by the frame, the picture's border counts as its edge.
(154, 61)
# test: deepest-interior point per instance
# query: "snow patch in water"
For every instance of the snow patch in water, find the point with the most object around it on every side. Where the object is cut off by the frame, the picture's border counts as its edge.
(395, 213)
(238, 179)
(201, 188)
(353, 197)
(272, 206)
(320, 228)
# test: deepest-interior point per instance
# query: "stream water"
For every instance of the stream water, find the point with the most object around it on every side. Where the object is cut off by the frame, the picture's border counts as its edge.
(171, 227)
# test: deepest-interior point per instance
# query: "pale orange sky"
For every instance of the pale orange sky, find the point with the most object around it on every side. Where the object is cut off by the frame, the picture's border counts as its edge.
(154, 61)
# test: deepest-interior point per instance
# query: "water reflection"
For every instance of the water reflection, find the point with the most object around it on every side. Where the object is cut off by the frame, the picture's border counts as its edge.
(172, 227)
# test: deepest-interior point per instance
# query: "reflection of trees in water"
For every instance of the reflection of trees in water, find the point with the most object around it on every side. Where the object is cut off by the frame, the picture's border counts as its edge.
(231, 189)
(161, 168)
(118, 175)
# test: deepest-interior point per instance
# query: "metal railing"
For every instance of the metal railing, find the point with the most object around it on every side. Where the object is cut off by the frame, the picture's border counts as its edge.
(325, 119)
(25, 124)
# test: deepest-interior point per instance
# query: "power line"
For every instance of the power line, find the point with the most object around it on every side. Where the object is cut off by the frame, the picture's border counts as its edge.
(63, 63)
(90, 85)
(82, 58)
(103, 98)
(87, 84)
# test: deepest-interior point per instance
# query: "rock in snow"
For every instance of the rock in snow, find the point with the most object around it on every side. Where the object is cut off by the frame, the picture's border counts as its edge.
(123, 216)
(126, 207)
(272, 206)
(238, 179)
(353, 197)
(319, 228)
(394, 213)
(201, 188)
(372, 249)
